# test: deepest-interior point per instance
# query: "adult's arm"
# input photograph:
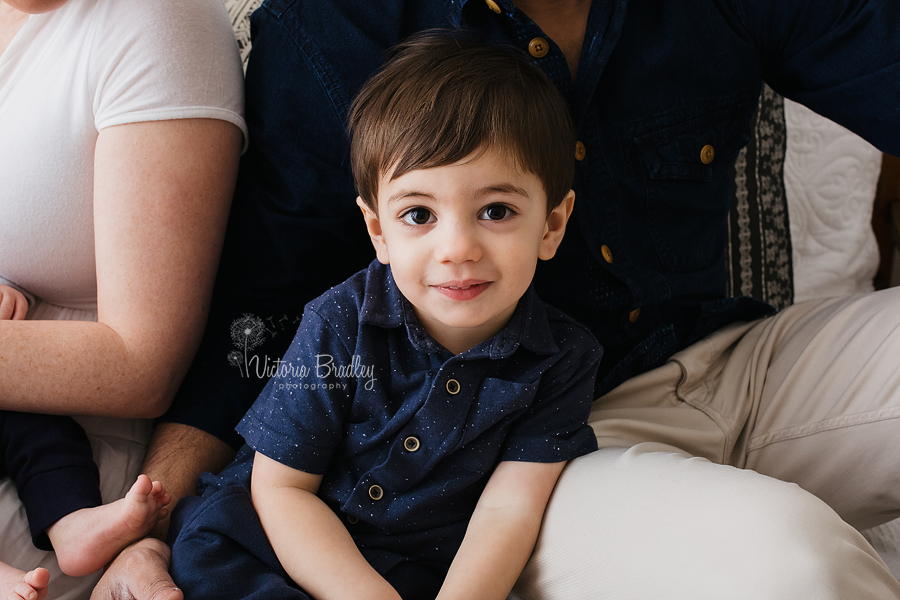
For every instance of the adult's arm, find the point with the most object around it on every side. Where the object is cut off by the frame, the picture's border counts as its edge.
(841, 58)
(177, 455)
(294, 231)
(161, 196)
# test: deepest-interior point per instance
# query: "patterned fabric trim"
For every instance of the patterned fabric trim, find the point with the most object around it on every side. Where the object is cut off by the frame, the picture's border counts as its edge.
(759, 244)
(239, 11)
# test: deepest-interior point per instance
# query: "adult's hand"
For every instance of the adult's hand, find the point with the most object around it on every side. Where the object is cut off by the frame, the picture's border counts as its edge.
(140, 572)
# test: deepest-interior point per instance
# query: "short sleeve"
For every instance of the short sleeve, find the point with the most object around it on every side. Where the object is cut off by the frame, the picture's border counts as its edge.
(555, 427)
(841, 58)
(166, 59)
(298, 418)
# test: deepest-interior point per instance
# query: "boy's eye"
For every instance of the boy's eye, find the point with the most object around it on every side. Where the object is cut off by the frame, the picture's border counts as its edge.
(417, 216)
(496, 212)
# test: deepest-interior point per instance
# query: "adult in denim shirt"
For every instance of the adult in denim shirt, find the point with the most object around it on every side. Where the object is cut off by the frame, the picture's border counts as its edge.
(663, 93)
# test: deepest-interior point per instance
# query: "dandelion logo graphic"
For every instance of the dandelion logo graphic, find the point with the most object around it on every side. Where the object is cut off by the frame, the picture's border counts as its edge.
(235, 359)
(247, 333)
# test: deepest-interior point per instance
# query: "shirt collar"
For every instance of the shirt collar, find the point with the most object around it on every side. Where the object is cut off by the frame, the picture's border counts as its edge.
(384, 306)
(383, 302)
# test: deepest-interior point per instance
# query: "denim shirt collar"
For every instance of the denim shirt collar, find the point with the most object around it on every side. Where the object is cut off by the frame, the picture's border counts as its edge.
(385, 306)
(605, 20)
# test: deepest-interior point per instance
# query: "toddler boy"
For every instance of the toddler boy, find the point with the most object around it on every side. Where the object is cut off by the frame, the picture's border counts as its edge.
(410, 440)
(50, 459)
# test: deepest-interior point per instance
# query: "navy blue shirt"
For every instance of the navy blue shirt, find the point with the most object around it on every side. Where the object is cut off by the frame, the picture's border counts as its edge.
(407, 434)
(658, 81)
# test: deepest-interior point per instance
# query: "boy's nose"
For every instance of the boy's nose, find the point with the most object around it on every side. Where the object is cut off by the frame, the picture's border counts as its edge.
(459, 244)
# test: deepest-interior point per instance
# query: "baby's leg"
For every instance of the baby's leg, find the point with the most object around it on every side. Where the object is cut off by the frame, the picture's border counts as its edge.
(24, 586)
(51, 461)
(88, 539)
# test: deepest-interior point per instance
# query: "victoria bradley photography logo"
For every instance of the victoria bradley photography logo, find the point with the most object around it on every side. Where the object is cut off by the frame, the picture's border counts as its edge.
(249, 332)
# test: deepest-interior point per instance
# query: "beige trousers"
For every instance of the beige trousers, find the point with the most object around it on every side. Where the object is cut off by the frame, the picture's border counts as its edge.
(739, 469)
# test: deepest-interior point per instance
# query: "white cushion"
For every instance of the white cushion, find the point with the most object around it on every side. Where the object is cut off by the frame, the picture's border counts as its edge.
(830, 177)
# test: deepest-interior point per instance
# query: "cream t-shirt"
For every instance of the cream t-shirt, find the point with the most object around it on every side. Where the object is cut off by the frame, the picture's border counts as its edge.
(67, 75)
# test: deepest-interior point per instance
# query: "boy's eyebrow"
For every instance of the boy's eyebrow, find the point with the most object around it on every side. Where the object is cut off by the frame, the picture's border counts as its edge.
(407, 193)
(505, 188)
(502, 188)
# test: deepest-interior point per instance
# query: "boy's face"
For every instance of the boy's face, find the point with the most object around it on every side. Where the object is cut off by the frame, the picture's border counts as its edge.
(463, 241)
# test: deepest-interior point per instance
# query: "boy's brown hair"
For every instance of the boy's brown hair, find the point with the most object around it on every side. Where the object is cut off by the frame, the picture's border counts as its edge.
(441, 96)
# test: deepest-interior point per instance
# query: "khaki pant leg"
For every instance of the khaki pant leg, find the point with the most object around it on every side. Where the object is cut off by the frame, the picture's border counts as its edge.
(809, 395)
(671, 404)
(646, 523)
(828, 412)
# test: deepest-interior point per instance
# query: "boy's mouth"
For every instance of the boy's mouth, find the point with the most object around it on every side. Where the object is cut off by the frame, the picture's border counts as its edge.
(462, 290)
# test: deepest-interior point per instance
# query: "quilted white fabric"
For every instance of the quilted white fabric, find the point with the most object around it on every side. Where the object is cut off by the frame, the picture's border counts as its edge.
(830, 176)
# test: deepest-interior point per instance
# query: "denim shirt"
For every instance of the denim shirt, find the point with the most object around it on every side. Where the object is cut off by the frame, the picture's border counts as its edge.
(663, 101)
(407, 434)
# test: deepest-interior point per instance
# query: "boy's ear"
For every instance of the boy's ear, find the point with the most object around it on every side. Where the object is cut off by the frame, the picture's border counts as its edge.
(555, 227)
(373, 226)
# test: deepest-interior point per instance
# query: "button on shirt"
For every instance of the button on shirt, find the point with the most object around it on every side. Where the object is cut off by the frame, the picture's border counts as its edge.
(657, 82)
(364, 396)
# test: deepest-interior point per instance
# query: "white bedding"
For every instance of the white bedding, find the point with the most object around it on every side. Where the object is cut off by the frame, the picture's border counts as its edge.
(830, 176)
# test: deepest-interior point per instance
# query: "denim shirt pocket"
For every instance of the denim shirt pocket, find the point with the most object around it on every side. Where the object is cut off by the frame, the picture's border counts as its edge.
(685, 159)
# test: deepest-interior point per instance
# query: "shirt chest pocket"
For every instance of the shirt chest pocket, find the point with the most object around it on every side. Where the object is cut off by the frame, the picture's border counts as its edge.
(684, 161)
(495, 409)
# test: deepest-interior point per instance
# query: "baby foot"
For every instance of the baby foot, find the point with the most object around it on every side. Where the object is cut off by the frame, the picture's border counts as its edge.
(28, 586)
(87, 539)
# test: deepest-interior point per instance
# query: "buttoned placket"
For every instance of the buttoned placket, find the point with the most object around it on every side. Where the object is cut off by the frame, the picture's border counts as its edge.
(433, 432)
(626, 290)
(606, 18)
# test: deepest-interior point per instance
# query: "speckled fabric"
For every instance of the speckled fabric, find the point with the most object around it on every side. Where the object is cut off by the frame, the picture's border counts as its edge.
(366, 397)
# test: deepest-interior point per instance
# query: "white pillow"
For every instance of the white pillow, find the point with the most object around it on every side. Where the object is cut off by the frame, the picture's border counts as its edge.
(830, 177)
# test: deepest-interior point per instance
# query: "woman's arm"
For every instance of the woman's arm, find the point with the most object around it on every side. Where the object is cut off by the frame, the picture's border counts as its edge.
(162, 191)
(326, 563)
(502, 533)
